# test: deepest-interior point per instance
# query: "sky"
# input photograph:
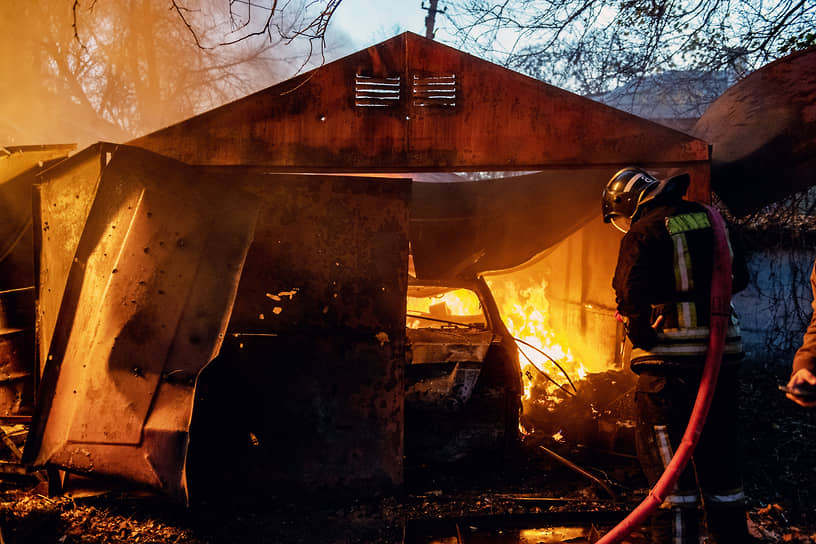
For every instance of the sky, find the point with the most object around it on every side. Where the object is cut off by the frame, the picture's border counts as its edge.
(367, 22)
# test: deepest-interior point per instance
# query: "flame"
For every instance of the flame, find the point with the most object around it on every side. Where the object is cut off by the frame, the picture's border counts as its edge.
(457, 305)
(526, 313)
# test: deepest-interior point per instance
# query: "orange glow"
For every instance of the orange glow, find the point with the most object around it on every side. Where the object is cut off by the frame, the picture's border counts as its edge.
(526, 313)
(460, 305)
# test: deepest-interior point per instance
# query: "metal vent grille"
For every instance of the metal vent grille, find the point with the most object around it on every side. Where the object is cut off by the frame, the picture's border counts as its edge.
(437, 90)
(373, 92)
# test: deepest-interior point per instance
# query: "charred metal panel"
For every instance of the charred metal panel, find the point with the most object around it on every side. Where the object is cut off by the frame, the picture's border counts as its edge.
(763, 131)
(17, 159)
(16, 352)
(485, 118)
(145, 307)
(442, 346)
(19, 166)
(318, 330)
(330, 253)
(318, 412)
(62, 201)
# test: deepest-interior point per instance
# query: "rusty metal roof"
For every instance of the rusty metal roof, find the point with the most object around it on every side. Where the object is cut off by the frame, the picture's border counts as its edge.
(410, 104)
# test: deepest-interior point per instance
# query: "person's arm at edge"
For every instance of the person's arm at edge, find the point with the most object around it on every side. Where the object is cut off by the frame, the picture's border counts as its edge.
(804, 362)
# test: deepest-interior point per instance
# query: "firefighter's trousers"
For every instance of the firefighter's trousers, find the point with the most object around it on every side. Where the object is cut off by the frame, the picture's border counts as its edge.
(710, 488)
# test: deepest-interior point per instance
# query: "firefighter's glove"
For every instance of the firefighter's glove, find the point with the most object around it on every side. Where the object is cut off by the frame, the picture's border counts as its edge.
(641, 333)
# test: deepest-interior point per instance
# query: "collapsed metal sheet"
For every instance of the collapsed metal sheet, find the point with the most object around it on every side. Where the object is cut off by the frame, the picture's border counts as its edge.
(62, 202)
(763, 131)
(17, 159)
(145, 307)
(465, 228)
(19, 166)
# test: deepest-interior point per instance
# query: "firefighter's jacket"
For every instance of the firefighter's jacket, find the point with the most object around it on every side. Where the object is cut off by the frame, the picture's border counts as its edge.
(806, 355)
(664, 269)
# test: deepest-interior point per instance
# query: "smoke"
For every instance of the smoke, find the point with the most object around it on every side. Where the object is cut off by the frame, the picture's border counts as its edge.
(129, 68)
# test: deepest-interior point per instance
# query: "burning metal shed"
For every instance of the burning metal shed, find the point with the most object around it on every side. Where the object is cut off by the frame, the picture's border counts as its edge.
(223, 242)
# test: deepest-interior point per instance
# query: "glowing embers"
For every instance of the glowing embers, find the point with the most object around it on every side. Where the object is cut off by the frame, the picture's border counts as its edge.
(376, 91)
(434, 91)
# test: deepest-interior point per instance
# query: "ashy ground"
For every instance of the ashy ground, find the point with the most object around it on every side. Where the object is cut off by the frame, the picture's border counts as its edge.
(525, 497)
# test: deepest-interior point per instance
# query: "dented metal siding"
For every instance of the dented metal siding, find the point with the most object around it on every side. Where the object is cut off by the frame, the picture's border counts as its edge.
(61, 202)
(315, 335)
(145, 307)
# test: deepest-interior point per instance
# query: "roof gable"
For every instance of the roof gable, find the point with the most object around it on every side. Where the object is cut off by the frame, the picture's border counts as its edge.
(412, 104)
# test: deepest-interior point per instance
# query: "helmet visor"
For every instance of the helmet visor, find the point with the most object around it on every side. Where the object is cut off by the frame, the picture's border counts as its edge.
(621, 223)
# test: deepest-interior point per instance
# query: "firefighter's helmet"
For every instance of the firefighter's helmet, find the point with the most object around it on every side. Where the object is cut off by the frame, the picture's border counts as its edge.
(625, 193)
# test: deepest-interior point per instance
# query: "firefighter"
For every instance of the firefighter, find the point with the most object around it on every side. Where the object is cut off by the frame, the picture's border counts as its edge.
(662, 286)
(803, 377)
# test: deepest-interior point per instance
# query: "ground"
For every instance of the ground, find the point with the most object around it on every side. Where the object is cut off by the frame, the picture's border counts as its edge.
(525, 497)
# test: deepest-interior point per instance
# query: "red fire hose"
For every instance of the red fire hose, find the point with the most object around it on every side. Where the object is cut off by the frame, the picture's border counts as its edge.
(720, 314)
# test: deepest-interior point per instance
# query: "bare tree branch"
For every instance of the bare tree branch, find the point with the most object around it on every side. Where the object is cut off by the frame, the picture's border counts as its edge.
(593, 45)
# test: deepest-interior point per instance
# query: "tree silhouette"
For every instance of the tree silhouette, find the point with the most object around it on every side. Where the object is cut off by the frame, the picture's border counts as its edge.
(592, 46)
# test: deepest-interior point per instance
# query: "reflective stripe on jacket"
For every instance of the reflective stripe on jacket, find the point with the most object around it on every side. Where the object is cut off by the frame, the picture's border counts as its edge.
(664, 271)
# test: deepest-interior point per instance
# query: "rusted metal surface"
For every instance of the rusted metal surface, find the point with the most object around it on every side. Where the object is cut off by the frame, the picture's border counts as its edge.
(62, 201)
(19, 166)
(16, 353)
(330, 253)
(17, 159)
(486, 118)
(145, 307)
(763, 131)
(314, 355)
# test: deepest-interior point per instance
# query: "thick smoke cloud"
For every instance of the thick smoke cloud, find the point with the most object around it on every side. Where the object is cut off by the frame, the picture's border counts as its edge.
(127, 68)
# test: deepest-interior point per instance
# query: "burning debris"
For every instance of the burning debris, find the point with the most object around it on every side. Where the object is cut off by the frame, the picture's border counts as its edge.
(599, 414)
